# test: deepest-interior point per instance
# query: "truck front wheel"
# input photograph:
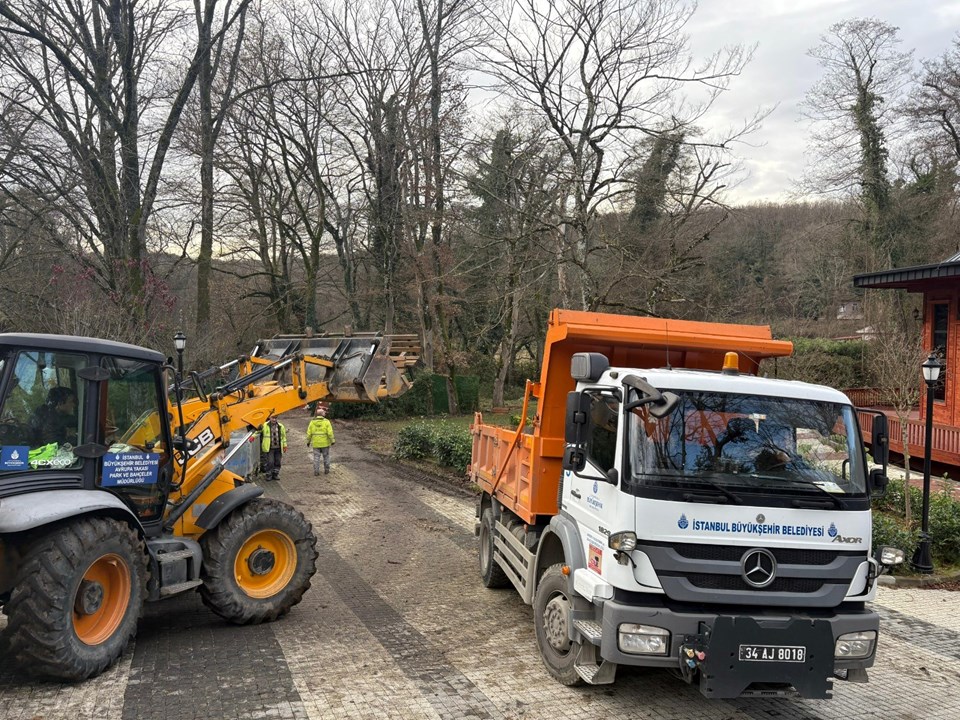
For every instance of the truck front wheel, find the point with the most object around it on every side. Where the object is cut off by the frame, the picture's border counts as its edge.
(257, 563)
(551, 618)
(76, 599)
(491, 573)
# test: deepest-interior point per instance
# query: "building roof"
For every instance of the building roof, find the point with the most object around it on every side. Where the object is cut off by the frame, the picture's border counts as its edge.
(913, 279)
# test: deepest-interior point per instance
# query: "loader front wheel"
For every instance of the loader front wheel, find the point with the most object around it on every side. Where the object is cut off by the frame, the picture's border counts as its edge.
(257, 563)
(76, 599)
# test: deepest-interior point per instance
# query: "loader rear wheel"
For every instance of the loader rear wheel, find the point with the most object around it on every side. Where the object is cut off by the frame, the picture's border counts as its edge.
(491, 573)
(551, 619)
(257, 563)
(76, 599)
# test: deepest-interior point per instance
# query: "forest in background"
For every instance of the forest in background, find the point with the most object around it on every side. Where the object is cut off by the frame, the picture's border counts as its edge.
(239, 168)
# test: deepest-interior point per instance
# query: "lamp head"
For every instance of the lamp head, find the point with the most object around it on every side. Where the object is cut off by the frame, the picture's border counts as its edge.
(931, 369)
(180, 341)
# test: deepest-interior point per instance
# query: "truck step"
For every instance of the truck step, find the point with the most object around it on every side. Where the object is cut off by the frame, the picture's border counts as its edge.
(602, 674)
(590, 629)
(593, 673)
(169, 557)
(169, 590)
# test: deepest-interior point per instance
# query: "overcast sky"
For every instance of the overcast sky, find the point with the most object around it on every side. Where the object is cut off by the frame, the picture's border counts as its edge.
(781, 72)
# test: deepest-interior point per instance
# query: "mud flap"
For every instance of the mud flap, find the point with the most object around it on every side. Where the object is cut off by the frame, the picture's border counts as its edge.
(739, 651)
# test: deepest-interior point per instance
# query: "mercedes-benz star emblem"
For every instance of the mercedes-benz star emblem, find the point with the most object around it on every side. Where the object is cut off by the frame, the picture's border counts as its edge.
(759, 567)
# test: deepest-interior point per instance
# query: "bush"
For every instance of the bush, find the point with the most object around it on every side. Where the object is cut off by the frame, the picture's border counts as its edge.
(890, 530)
(450, 445)
(889, 527)
(453, 447)
(414, 442)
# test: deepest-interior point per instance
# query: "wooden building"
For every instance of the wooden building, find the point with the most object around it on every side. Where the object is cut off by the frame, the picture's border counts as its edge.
(940, 286)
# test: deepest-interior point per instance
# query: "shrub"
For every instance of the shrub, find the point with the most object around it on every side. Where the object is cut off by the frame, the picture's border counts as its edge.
(890, 530)
(889, 527)
(453, 447)
(450, 445)
(414, 442)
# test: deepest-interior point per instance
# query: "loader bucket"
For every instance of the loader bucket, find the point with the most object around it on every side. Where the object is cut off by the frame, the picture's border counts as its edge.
(366, 369)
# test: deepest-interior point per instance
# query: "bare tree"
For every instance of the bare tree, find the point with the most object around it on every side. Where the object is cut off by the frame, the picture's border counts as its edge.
(90, 74)
(603, 73)
(935, 102)
(853, 108)
(895, 357)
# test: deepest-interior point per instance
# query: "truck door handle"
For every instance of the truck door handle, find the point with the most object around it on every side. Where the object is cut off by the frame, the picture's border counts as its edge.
(575, 493)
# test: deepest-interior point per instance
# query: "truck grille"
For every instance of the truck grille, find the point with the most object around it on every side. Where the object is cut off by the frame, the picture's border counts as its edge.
(730, 553)
(735, 582)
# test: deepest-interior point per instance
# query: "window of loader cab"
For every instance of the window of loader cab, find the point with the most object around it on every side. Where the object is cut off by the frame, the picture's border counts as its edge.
(132, 422)
(41, 417)
(604, 420)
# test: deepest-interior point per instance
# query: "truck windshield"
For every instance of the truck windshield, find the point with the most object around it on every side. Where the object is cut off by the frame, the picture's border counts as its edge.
(747, 445)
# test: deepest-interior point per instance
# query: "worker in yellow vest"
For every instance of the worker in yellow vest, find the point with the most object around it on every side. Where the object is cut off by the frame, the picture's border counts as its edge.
(273, 443)
(320, 438)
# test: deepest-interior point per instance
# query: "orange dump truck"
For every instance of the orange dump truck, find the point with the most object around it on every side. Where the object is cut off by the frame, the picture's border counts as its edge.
(671, 508)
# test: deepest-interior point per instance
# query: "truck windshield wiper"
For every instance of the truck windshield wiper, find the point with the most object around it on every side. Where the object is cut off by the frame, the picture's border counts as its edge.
(809, 483)
(693, 496)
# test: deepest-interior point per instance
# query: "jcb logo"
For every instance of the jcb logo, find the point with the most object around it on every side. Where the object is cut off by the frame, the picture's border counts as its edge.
(203, 439)
(848, 539)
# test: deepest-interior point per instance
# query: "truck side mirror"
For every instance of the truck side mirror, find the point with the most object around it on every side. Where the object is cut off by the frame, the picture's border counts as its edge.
(880, 441)
(878, 482)
(578, 417)
(574, 458)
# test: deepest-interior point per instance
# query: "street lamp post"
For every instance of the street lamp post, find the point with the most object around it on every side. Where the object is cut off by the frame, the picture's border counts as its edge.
(180, 343)
(922, 559)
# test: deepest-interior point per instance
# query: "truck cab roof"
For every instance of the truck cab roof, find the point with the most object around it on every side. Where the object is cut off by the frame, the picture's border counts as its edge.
(74, 343)
(713, 381)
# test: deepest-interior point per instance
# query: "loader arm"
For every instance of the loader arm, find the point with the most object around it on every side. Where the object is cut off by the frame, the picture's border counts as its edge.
(280, 376)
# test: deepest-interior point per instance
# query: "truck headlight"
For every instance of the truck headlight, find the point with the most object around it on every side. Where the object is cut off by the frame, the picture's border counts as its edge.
(643, 639)
(888, 556)
(624, 541)
(855, 645)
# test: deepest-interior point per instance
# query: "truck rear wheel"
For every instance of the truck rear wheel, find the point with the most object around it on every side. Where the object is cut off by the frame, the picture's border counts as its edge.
(551, 617)
(491, 573)
(257, 563)
(77, 596)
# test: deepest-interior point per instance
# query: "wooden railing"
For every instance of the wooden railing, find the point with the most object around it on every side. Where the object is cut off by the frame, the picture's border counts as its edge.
(945, 439)
(869, 396)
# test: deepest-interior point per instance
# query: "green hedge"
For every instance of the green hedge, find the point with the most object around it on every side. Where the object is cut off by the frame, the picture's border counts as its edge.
(427, 396)
(889, 527)
(449, 445)
(837, 363)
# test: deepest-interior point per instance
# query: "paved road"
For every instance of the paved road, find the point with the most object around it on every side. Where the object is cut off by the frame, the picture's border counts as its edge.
(397, 625)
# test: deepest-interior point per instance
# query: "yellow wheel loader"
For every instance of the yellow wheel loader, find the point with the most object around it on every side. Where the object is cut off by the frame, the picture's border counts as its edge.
(115, 488)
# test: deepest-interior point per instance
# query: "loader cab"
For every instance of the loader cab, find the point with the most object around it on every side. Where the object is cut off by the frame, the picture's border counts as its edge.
(84, 413)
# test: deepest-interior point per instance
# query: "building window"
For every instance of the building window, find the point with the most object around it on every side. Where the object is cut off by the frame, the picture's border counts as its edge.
(940, 318)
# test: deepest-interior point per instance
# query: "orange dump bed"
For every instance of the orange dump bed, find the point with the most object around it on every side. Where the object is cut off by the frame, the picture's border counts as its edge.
(522, 470)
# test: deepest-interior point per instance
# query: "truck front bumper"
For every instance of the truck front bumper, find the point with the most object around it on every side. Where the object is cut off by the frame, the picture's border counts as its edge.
(720, 636)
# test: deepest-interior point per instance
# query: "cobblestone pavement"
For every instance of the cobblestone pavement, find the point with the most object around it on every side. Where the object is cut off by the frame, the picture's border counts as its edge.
(397, 625)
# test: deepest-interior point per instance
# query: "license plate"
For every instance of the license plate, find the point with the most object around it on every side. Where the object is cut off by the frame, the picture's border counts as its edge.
(773, 653)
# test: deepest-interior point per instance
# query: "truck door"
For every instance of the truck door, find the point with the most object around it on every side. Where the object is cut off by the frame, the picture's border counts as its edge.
(590, 497)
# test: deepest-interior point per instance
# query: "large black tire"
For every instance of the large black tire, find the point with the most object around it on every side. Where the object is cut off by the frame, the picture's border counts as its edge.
(257, 563)
(491, 573)
(551, 618)
(61, 630)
